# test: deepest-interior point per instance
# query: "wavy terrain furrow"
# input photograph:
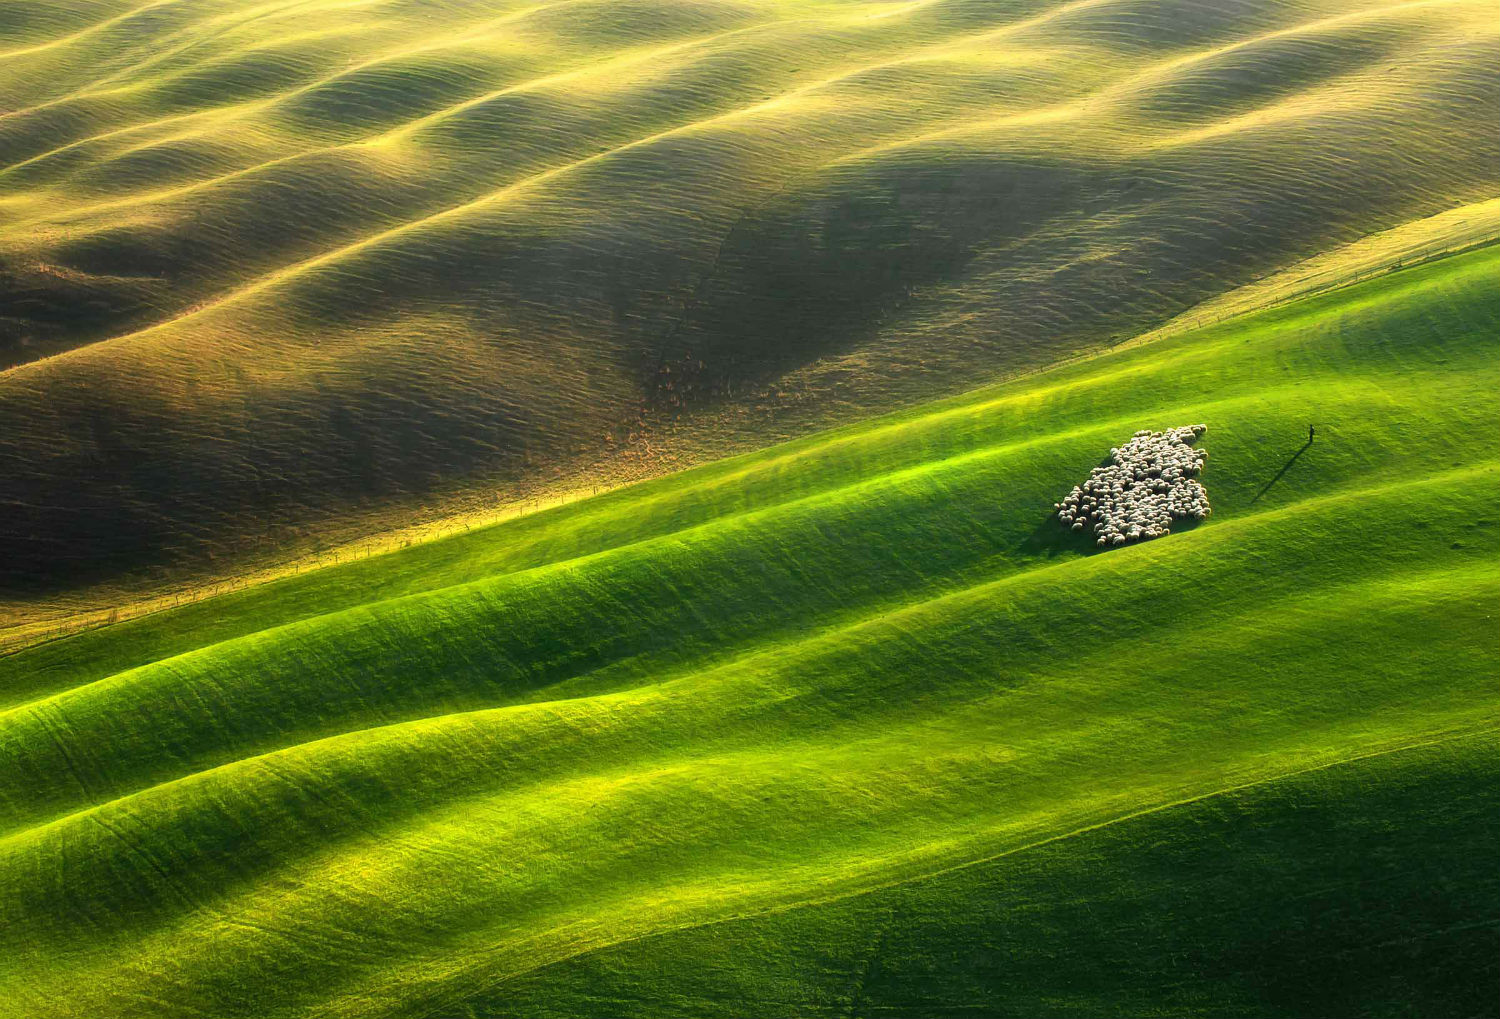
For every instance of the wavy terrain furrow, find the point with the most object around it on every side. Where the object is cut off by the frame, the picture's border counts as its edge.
(341, 265)
(1271, 360)
(983, 940)
(847, 726)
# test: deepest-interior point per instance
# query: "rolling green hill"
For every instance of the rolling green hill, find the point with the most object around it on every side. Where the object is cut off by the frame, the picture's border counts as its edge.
(276, 273)
(846, 726)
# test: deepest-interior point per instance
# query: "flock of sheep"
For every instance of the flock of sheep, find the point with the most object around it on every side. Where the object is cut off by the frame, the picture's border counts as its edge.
(1147, 484)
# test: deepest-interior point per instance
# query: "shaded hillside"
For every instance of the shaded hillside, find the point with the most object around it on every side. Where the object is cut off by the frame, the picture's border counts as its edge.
(849, 726)
(1315, 893)
(320, 262)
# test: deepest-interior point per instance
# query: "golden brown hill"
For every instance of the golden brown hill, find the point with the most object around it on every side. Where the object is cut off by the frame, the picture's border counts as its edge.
(302, 266)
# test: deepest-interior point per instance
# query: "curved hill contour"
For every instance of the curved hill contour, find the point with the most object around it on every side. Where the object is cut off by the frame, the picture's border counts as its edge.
(846, 726)
(330, 265)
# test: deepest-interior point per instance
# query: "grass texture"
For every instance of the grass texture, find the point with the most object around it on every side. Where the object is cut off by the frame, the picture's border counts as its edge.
(848, 726)
(325, 264)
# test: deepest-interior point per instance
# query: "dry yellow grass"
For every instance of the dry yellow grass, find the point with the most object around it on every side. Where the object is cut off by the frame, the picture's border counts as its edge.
(331, 265)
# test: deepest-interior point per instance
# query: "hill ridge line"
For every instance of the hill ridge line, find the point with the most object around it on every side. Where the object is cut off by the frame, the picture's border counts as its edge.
(583, 69)
(245, 18)
(709, 525)
(88, 30)
(295, 270)
(831, 635)
(1167, 807)
(1160, 70)
(999, 394)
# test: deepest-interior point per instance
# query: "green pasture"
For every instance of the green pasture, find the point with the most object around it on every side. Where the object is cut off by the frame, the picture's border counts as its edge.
(847, 726)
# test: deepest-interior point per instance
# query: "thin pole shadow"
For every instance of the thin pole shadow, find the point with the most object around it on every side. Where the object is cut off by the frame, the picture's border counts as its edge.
(1285, 467)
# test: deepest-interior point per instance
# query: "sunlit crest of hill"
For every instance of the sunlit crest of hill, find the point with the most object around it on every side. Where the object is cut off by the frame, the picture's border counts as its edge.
(315, 262)
(848, 726)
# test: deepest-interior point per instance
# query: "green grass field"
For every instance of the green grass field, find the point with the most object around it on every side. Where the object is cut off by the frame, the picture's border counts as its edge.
(278, 273)
(847, 726)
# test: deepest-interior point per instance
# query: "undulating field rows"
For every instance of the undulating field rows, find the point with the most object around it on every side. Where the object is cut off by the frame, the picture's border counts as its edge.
(847, 726)
(310, 266)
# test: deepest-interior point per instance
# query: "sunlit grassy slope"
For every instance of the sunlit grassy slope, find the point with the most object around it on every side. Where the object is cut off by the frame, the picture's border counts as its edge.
(847, 726)
(312, 263)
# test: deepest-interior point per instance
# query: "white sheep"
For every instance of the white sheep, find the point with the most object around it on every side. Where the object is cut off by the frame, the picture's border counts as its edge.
(1147, 484)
